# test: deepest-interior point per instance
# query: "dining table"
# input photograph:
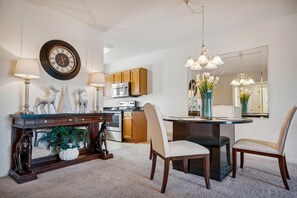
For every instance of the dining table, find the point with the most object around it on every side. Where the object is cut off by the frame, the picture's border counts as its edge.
(213, 133)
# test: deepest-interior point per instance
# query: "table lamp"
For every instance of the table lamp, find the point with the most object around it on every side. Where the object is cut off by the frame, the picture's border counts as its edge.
(27, 69)
(97, 81)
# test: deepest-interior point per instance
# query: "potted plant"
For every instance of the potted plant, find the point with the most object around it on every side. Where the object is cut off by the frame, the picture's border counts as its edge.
(65, 141)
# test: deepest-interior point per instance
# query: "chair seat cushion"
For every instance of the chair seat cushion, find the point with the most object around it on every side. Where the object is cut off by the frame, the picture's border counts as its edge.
(256, 145)
(185, 148)
(209, 141)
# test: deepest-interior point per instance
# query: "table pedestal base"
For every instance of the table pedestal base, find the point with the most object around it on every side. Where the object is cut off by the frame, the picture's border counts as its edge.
(210, 136)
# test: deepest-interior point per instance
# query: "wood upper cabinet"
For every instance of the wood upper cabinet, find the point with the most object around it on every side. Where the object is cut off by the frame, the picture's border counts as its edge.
(138, 82)
(126, 76)
(117, 77)
(137, 77)
(108, 83)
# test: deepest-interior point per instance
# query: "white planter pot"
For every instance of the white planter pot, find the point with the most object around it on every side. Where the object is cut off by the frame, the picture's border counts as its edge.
(69, 154)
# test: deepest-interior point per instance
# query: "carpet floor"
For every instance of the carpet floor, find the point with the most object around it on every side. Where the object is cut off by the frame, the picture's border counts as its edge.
(127, 175)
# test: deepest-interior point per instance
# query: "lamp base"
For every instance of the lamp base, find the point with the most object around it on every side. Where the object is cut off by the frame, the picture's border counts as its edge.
(25, 112)
(96, 111)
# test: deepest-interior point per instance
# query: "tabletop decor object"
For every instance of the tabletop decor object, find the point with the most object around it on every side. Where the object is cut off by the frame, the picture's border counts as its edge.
(82, 101)
(206, 84)
(65, 104)
(244, 99)
(42, 102)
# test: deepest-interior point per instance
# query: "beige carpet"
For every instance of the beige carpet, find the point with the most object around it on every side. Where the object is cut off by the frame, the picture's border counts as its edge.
(127, 175)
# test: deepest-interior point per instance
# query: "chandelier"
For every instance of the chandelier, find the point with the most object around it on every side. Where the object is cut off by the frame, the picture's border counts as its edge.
(205, 58)
(242, 79)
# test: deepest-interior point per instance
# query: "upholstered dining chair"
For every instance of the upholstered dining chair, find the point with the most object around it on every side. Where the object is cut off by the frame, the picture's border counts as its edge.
(265, 148)
(170, 151)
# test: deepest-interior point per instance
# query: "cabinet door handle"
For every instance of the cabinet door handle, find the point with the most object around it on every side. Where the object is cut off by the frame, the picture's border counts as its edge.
(70, 120)
(82, 119)
(44, 121)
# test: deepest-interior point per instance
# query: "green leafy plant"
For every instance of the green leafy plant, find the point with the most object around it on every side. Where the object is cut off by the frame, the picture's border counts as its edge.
(64, 138)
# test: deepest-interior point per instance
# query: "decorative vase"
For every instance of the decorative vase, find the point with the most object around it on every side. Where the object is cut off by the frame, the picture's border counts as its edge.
(206, 106)
(69, 154)
(244, 107)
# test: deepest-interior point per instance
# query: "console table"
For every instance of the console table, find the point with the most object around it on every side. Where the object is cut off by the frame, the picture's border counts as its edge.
(20, 123)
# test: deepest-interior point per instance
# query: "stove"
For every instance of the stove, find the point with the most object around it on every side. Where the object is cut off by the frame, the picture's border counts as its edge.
(114, 129)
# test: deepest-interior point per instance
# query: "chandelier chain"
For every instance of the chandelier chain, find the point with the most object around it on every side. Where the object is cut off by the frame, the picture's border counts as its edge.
(203, 25)
(193, 11)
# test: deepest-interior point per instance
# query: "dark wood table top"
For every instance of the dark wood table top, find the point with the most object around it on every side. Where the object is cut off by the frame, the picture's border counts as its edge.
(214, 120)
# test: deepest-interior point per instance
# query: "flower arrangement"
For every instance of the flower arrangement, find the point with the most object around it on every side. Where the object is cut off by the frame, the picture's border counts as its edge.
(206, 82)
(244, 95)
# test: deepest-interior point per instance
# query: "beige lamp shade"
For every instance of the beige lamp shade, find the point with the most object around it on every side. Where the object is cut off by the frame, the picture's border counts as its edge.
(27, 68)
(97, 79)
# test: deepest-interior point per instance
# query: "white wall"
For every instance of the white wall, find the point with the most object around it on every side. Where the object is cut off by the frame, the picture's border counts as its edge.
(169, 86)
(39, 26)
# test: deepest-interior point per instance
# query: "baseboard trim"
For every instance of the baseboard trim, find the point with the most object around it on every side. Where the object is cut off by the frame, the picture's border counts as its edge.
(291, 160)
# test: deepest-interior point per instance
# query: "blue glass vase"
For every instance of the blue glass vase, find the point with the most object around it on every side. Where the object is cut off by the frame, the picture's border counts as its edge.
(206, 105)
(244, 107)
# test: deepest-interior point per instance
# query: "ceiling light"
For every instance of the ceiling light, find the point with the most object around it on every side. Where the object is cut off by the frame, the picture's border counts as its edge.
(205, 58)
(242, 79)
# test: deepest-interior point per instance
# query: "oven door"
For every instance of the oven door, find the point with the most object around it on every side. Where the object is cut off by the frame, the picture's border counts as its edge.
(116, 123)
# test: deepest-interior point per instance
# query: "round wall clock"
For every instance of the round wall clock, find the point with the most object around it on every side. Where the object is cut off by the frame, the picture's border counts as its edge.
(59, 59)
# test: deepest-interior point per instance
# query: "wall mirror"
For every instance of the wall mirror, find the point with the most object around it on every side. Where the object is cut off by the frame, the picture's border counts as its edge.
(243, 82)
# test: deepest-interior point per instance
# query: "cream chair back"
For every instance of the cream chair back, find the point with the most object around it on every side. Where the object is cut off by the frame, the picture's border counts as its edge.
(280, 146)
(156, 129)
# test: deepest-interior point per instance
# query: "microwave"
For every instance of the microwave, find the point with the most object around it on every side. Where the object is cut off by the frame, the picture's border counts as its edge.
(120, 90)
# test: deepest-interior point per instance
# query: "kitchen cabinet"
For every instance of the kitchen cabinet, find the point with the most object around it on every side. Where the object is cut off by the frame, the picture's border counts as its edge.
(134, 126)
(108, 83)
(126, 76)
(138, 81)
(117, 77)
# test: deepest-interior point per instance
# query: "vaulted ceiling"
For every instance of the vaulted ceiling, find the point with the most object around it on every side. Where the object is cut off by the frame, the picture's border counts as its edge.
(137, 27)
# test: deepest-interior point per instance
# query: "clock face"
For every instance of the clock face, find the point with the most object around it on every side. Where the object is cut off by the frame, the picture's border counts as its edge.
(60, 60)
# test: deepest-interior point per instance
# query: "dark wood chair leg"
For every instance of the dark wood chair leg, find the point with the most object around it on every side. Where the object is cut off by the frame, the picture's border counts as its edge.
(234, 162)
(281, 163)
(186, 167)
(35, 138)
(241, 159)
(153, 166)
(210, 154)
(228, 154)
(151, 149)
(207, 171)
(287, 172)
(165, 175)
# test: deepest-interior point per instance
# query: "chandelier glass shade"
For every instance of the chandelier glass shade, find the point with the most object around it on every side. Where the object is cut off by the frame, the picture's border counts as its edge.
(242, 79)
(205, 58)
